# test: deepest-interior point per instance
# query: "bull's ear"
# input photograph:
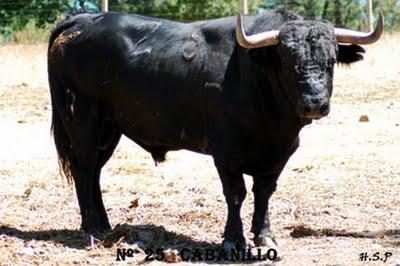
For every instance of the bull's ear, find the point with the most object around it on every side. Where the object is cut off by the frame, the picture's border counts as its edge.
(350, 54)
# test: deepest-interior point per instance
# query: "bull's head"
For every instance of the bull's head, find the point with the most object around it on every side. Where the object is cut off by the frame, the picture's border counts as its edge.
(307, 52)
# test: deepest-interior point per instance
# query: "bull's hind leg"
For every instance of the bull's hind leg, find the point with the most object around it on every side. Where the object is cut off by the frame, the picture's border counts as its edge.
(92, 141)
(104, 156)
(86, 173)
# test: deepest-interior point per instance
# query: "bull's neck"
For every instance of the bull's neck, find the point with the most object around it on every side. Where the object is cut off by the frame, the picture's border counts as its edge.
(267, 92)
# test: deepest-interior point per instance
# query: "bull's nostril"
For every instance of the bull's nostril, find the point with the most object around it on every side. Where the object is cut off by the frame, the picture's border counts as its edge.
(324, 109)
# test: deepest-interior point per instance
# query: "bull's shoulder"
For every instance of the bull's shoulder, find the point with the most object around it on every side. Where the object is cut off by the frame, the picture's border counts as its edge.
(217, 31)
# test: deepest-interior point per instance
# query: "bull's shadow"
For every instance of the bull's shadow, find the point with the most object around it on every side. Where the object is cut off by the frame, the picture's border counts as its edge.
(157, 237)
(153, 237)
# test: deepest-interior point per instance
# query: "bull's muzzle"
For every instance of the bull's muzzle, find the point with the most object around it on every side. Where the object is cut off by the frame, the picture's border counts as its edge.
(314, 107)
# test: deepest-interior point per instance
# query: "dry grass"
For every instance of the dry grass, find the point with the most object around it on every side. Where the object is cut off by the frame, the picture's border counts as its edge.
(337, 197)
(30, 34)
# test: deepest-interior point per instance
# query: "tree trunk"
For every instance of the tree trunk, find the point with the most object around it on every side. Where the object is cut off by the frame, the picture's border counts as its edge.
(243, 6)
(369, 11)
(338, 13)
(325, 9)
(104, 5)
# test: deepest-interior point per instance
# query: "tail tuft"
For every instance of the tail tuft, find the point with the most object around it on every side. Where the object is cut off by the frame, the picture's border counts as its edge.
(63, 145)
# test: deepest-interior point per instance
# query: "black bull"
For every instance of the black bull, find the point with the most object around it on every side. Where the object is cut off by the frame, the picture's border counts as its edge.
(171, 86)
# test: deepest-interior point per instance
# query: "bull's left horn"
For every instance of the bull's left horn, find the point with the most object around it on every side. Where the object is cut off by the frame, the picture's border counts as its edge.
(356, 37)
(258, 40)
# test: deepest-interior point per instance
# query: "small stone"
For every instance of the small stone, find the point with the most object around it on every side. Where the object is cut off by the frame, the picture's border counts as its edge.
(27, 193)
(171, 255)
(364, 118)
(134, 203)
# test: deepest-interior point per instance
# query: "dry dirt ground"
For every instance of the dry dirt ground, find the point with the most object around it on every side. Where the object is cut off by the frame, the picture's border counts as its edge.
(338, 196)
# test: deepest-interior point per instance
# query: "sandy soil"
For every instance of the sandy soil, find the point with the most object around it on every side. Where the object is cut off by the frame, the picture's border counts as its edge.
(337, 197)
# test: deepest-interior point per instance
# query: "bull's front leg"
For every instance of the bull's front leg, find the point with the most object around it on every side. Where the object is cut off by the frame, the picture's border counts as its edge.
(263, 187)
(235, 192)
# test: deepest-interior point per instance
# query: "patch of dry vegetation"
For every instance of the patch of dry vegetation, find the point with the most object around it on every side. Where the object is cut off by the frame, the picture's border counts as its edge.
(338, 193)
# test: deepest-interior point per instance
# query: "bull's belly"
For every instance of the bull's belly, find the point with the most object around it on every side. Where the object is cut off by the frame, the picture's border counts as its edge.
(162, 128)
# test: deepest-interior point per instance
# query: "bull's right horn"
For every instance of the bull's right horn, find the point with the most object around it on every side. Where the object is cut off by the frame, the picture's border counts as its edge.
(258, 40)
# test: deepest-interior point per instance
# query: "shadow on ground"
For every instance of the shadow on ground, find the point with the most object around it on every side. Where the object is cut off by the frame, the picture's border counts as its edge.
(300, 231)
(150, 236)
(157, 237)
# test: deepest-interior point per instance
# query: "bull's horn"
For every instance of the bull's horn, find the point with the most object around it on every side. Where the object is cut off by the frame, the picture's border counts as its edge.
(258, 40)
(356, 37)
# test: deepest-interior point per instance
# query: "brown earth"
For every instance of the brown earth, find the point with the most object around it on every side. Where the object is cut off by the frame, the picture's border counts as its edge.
(337, 197)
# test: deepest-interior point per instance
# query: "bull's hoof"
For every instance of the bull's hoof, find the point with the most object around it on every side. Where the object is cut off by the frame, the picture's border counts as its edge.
(94, 223)
(266, 241)
(92, 229)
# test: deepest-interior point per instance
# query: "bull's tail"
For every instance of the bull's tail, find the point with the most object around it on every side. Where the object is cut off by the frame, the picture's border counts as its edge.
(59, 98)
(61, 138)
